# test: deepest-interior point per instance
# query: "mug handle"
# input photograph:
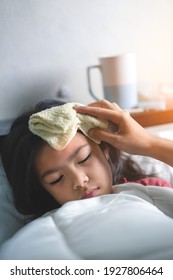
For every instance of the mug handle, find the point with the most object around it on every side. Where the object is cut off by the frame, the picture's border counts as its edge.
(89, 80)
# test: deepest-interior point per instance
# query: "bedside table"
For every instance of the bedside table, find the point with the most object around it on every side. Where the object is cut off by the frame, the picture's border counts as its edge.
(153, 117)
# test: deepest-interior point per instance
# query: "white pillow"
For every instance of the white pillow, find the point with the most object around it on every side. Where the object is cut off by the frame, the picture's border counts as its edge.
(10, 219)
(156, 167)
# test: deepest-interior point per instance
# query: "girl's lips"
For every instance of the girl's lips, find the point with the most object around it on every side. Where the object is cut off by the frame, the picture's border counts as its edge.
(90, 193)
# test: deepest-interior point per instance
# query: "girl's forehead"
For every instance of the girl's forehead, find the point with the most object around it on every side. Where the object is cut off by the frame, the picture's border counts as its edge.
(49, 157)
(79, 140)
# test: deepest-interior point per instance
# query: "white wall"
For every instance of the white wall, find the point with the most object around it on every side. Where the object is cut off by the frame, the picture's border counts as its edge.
(47, 43)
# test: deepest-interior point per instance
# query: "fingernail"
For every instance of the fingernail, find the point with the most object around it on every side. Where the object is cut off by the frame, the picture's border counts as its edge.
(77, 107)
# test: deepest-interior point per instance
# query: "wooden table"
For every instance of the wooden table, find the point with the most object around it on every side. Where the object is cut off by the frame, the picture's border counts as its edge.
(153, 117)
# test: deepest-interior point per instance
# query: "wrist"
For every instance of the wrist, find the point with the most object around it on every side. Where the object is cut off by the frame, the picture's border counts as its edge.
(161, 149)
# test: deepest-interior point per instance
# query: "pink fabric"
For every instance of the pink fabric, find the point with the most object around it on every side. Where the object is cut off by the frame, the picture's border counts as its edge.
(151, 181)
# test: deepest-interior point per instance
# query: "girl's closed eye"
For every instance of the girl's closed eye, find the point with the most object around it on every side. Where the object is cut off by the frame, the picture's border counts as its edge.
(58, 180)
(85, 159)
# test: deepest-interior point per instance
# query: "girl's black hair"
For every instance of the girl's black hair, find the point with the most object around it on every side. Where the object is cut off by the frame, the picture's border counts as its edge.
(19, 149)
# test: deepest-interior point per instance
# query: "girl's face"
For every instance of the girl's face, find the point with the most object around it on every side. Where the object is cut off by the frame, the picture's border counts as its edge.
(79, 171)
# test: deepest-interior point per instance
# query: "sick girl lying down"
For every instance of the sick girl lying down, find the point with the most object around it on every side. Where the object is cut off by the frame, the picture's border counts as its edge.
(50, 158)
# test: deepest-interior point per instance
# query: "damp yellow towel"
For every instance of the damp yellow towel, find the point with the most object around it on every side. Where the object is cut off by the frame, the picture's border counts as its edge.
(58, 125)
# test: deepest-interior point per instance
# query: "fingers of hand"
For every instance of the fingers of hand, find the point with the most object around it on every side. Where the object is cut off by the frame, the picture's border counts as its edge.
(110, 111)
(105, 104)
(103, 135)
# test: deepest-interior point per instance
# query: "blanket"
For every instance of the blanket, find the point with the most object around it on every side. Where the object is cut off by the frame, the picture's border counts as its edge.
(135, 222)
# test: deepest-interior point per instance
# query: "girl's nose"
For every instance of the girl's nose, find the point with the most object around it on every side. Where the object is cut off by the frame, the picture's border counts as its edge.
(79, 180)
(76, 188)
(79, 188)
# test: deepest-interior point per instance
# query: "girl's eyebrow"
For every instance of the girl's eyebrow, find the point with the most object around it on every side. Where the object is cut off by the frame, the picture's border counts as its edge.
(55, 169)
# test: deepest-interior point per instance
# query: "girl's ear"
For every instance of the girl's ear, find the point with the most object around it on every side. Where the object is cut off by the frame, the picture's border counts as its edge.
(106, 153)
(105, 149)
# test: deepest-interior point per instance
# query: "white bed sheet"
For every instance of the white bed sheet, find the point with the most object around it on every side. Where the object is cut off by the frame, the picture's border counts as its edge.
(124, 225)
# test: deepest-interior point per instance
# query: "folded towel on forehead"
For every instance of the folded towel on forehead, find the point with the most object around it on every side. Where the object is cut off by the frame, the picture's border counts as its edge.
(58, 125)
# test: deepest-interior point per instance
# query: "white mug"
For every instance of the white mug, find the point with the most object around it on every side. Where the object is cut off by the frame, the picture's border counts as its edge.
(119, 79)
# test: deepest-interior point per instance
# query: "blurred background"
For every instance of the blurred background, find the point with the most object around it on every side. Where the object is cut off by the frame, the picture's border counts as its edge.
(46, 46)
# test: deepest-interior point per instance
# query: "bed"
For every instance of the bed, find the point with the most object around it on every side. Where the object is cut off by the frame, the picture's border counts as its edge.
(135, 222)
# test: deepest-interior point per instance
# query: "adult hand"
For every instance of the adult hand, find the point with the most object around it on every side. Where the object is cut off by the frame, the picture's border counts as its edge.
(126, 135)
